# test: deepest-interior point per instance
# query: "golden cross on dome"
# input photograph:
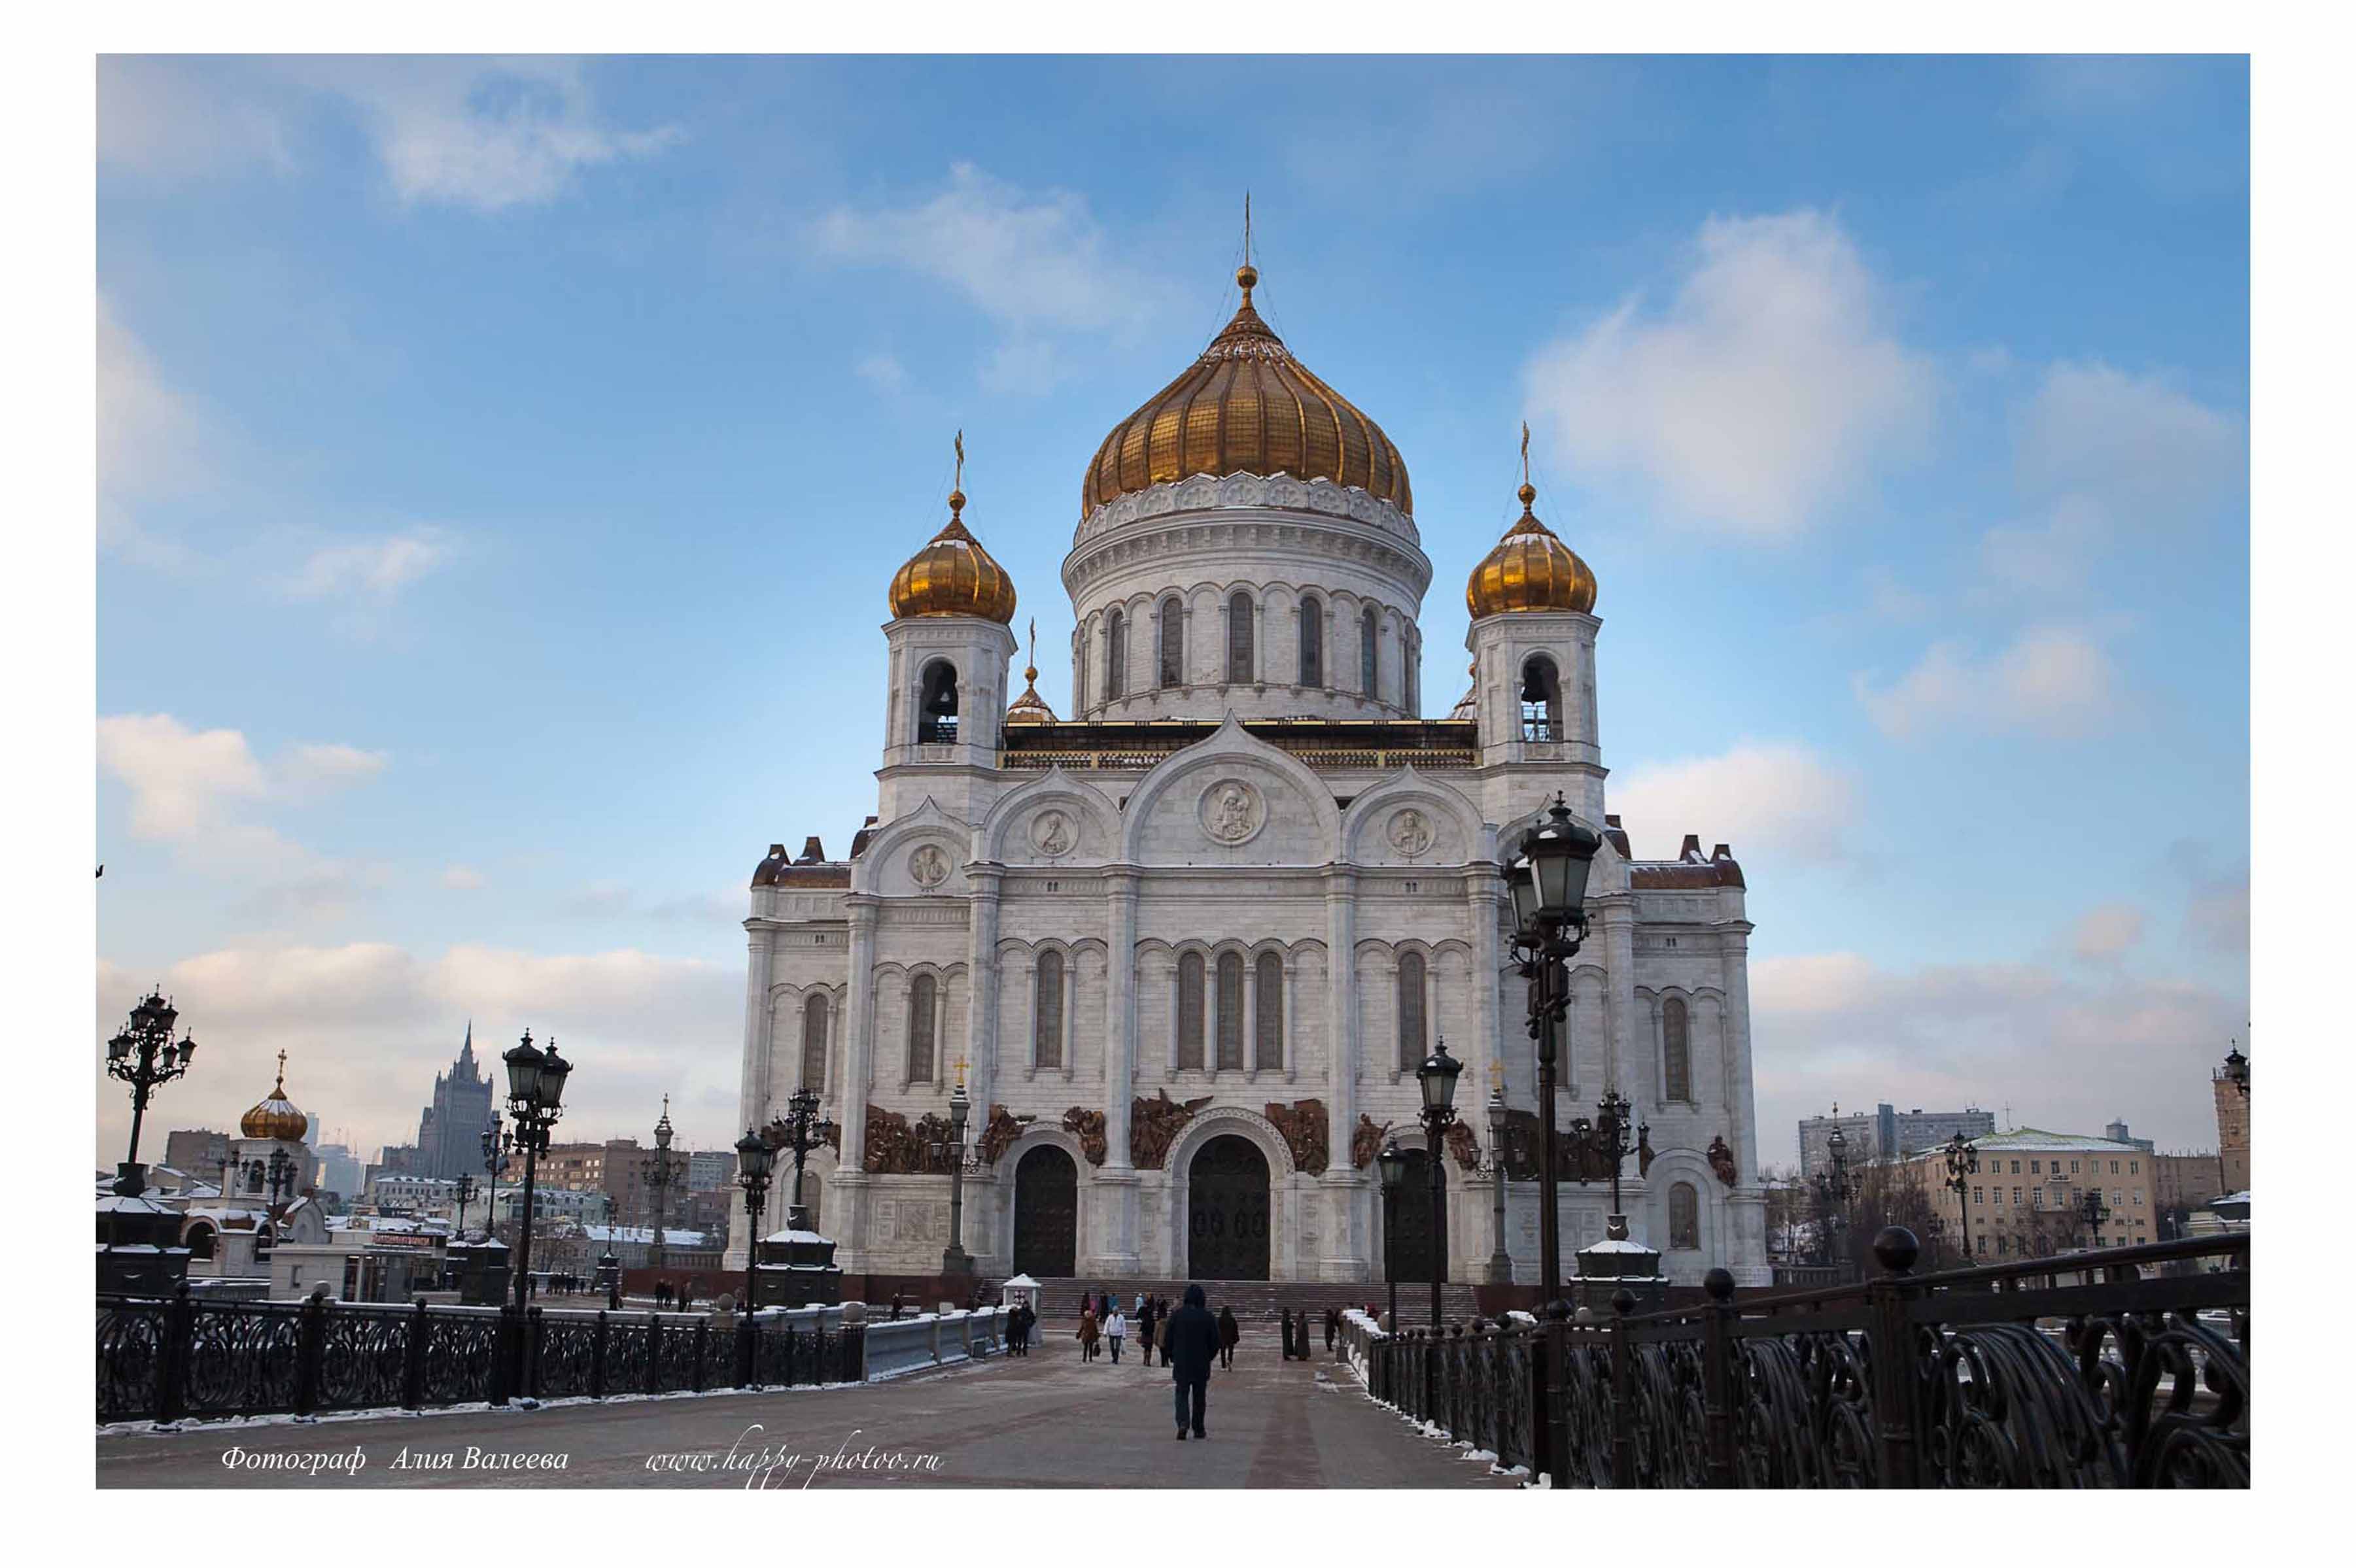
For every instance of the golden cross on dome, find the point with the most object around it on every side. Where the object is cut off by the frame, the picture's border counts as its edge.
(1525, 452)
(281, 1069)
(958, 483)
(961, 1072)
(1496, 1075)
(1247, 229)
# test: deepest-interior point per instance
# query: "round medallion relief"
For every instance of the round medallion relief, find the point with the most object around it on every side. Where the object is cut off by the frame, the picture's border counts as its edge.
(1410, 833)
(928, 867)
(1232, 811)
(1051, 833)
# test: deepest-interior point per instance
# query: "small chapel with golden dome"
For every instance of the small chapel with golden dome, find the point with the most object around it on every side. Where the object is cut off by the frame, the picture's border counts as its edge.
(1183, 948)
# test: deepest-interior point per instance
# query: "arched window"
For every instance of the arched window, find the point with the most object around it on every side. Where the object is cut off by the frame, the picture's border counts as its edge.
(1368, 631)
(200, 1241)
(1115, 655)
(1677, 1051)
(1410, 1011)
(1190, 1010)
(1047, 1011)
(814, 1017)
(937, 709)
(1541, 700)
(1080, 670)
(1267, 1026)
(1414, 658)
(1231, 1012)
(1684, 1218)
(253, 1175)
(1312, 641)
(923, 995)
(1173, 643)
(1239, 639)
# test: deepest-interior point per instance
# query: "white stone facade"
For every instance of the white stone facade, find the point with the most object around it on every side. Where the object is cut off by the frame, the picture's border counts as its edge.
(1044, 894)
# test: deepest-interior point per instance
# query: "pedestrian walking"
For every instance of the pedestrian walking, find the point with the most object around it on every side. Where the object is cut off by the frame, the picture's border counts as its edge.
(1018, 1329)
(1190, 1342)
(1228, 1335)
(1087, 1331)
(1116, 1329)
(1332, 1327)
(1146, 1319)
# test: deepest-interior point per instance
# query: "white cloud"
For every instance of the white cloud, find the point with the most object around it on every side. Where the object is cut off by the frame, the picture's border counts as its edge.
(468, 132)
(1770, 390)
(2054, 680)
(2068, 1053)
(171, 118)
(181, 781)
(2133, 445)
(1035, 263)
(2217, 914)
(375, 569)
(313, 766)
(2053, 555)
(368, 1024)
(148, 437)
(1774, 800)
(198, 790)
(2105, 933)
(465, 878)
(880, 370)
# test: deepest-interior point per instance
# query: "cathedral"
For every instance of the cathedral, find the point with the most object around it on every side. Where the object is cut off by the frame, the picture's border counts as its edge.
(1185, 946)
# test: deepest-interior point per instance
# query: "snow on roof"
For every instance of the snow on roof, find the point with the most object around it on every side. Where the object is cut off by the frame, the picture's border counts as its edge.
(115, 1203)
(2038, 1140)
(1609, 1245)
(644, 1235)
(793, 1236)
(1025, 1280)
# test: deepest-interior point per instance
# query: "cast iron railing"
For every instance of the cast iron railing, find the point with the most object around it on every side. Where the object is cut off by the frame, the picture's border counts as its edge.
(2088, 1370)
(169, 1360)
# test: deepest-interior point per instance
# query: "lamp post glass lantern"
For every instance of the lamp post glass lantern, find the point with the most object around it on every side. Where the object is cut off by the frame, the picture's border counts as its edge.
(753, 1159)
(1547, 882)
(659, 1178)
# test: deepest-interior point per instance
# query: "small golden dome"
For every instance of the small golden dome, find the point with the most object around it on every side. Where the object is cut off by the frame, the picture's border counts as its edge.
(953, 575)
(1247, 406)
(1030, 708)
(276, 1117)
(1530, 568)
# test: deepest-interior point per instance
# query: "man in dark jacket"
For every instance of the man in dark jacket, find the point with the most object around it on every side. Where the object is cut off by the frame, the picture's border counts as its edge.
(1147, 1315)
(1192, 1345)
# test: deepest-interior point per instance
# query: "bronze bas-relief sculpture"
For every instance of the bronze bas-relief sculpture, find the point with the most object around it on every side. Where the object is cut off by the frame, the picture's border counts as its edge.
(1154, 1125)
(1089, 1127)
(1303, 1126)
(1367, 1141)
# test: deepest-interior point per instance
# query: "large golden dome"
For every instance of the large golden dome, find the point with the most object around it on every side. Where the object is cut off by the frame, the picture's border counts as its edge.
(1530, 570)
(953, 575)
(276, 1117)
(1247, 406)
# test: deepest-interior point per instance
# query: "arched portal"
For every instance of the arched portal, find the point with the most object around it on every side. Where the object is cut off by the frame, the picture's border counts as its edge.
(1226, 1211)
(1412, 1245)
(1046, 1214)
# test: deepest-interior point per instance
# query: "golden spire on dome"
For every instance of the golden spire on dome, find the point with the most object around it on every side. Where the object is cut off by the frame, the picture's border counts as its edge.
(1030, 708)
(1530, 568)
(953, 575)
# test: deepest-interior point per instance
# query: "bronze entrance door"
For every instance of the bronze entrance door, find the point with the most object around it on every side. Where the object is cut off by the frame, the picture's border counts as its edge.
(1412, 1248)
(1046, 1214)
(1226, 1211)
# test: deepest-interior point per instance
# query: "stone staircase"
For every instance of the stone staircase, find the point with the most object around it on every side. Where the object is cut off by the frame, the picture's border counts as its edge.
(1258, 1303)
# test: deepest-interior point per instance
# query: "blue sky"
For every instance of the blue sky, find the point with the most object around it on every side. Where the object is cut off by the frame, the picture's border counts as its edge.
(501, 463)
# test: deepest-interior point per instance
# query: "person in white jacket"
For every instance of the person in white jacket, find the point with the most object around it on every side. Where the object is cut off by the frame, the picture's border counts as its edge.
(1116, 1328)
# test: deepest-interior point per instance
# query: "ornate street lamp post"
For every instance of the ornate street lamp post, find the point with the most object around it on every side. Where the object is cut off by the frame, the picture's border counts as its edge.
(800, 1129)
(1962, 1164)
(146, 1056)
(1548, 883)
(659, 1179)
(535, 1100)
(1391, 1165)
(1835, 1188)
(498, 1144)
(1437, 1076)
(465, 1193)
(1501, 1262)
(2094, 1211)
(955, 1259)
(282, 1177)
(1614, 1142)
(754, 1156)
